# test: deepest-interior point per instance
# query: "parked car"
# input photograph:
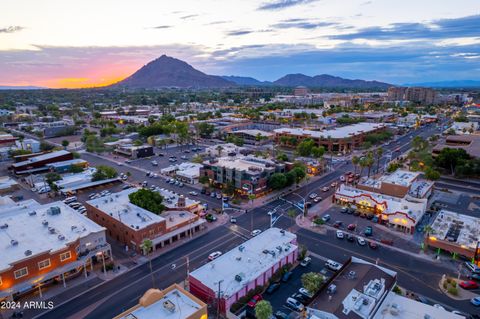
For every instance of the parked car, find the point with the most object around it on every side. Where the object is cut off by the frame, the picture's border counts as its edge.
(361, 241)
(340, 234)
(350, 237)
(233, 220)
(351, 227)
(468, 285)
(255, 232)
(210, 218)
(214, 255)
(305, 262)
(317, 199)
(372, 244)
(368, 231)
(305, 292)
(298, 296)
(473, 268)
(325, 189)
(154, 163)
(475, 301)
(326, 218)
(294, 304)
(286, 276)
(333, 265)
(338, 224)
(255, 299)
(193, 193)
(280, 315)
(474, 276)
(313, 195)
(273, 287)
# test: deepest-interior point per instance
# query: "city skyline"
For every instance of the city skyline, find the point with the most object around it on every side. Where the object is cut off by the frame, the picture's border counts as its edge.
(82, 44)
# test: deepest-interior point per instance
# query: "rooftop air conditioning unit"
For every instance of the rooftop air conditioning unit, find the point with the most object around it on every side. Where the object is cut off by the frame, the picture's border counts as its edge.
(4, 226)
(238, 278)
(44, 222)
(168, 305)
(28, 252)
(74, 227)
(54, 210)
(51, 230)
(32, 213)
(14, 242)
(241, 248)
(61, 237)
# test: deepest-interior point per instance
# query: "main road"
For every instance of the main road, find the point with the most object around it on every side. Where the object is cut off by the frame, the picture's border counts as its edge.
(122, 292)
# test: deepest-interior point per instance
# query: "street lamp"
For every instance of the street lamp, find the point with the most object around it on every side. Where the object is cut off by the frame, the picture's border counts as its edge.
(305, 209)
(271, 213)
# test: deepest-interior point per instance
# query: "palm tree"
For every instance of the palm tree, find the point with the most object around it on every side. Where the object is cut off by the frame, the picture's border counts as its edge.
(147, 246)
(363, 163)
(369, 162)
(355, 162)
(379, 154)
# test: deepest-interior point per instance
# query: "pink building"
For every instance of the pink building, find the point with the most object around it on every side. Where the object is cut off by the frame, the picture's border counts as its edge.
(244, 267)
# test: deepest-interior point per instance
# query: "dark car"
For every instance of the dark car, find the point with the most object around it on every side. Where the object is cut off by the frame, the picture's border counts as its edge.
(210, 218)
(350, 238)
(356, 213)
(372, 245)
(280, 315)
(338, 224)
(273, 287)
(287, 276)
(368, 231)
(474, 276)
(350, 211)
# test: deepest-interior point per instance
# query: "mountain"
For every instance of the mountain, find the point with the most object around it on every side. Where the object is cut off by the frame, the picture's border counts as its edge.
(8, 87)
(170, 72)
(245, 80)
(327, 81)
(448, 84)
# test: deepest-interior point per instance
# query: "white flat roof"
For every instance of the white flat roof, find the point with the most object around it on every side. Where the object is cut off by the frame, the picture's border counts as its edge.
(118, 206)
(398, 307)
(184, 307)
(400, 177)
(241, 163)
(170, 199)
(247, 260)
(41, 158)
(254, 132)
(337, 133)
(468, 226)
(28, 230)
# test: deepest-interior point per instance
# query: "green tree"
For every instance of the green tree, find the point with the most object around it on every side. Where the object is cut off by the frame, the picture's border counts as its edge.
(378, 157)
(305, 147)
(147, 246)
(449, 158)
(277, 181)
(291, 178)
(355, 162)
(104, 172)
(205, 129)
(318, 151)
(251, 197)
(282, 157)
(65, 143)
(147, 199)
(432, 174)
(312, 281)
(203, 180)
(299, 173)
(263, 310)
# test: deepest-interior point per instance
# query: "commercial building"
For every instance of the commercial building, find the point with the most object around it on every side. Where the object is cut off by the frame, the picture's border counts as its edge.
(133, 151)
(8, 185)
(7, 140)
(379, 117)
(463, 127)
(249, 174)
(402, 214)
(28, 145)
(470, 143)
(222, 150)
(175, 201)
(455, 233)
(243, 268)
(396, 93)
(39, 163)
(43, 243)
(398, 184)
(186, 172)
(66, 166)
(356, 291)
(342, 139)
(173, 302)
(253, 136)
(420, 95)
(131, 224)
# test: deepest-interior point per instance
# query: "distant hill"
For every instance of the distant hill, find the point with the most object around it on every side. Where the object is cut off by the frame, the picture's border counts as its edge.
(245, 80)
(448, 84)
(8, 87)
(170, 72)
(327, 81)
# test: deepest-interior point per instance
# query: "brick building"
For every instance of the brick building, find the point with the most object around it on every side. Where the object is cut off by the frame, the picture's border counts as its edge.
(39, 163)
(131, 225)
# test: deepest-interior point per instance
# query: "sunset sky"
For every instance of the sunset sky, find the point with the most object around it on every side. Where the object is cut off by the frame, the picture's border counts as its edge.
(72, 43)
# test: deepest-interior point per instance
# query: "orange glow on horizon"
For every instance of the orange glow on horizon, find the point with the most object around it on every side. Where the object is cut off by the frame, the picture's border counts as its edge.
(83, 82)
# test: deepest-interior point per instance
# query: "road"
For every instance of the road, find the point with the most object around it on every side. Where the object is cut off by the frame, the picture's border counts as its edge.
(110, 298)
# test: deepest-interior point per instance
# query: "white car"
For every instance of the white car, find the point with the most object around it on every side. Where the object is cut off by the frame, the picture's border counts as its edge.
(193, 193)
(255, 232)
(340, 234)
(342, 178)
(214, 255)
(294, 304)
(325, 189)
(306, 261)
(313, 195)
(361, 241)
(305, 292)
(333, 265)
(439, 306)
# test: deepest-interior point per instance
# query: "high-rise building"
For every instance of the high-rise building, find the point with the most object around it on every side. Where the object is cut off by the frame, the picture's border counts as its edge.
(396, 93)
(420, 95)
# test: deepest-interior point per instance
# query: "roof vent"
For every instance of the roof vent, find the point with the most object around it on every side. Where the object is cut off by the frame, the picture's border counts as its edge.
(32, 213)
(54, 210)
(44, 222)
(28, 252)
(61, 237)
(14, 242)
(73, 227)
(241, 248)
(51, 230)
(4, 226)
(168, 305)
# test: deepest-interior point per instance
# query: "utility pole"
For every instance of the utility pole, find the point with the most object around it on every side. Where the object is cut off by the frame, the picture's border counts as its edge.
(218, 299)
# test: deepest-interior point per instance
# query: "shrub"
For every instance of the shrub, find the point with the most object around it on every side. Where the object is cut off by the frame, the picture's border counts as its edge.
(397, 290)
(445, 285)
(453, 291)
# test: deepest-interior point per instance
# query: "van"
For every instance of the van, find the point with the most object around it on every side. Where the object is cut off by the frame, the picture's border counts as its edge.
(333, 265)
(69, 200)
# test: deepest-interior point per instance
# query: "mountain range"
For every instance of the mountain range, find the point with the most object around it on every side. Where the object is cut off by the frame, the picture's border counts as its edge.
(12, 87)
(167, 72)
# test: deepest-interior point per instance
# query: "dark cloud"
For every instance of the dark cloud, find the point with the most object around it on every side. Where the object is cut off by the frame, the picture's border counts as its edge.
(162, 27)
(439, 29)
(190, 16)
(302, 24)
(239, 32)
(282, 4)
(11, 29)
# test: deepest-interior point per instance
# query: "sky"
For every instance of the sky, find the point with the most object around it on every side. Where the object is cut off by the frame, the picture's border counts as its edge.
(85, 43)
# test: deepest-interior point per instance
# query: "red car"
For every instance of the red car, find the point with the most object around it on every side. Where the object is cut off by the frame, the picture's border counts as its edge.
(255, 299)
(351, 227)
(470, 284)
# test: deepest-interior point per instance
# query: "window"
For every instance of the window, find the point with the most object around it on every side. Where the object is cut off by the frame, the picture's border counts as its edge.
(21, 272)
(44, 264)
(65, 256)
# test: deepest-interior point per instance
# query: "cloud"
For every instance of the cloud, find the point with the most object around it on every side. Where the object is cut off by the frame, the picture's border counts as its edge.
(162, 27)
(302, 24)
(239, 32)
(282, 4)
(440, 29)
(190, 16)
(11, 29)
(218, 22)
